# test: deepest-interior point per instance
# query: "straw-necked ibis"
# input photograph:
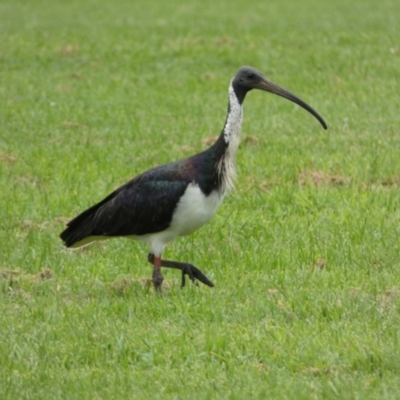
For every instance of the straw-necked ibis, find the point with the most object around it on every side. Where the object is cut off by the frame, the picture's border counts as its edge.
(178, 198)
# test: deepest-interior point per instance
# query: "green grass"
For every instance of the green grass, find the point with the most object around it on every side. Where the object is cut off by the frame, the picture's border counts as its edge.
(304, 253)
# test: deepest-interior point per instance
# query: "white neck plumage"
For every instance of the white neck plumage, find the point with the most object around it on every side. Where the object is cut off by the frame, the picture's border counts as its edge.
(231, 134)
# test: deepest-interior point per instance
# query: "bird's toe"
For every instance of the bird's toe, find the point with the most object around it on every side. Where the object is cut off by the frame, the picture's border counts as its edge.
(194, 275)
(157, 279)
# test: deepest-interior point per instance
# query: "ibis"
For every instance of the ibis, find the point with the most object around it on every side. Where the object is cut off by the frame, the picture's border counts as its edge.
(177, 198)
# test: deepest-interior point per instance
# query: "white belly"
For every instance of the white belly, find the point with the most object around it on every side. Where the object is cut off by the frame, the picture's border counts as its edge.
(194, 210)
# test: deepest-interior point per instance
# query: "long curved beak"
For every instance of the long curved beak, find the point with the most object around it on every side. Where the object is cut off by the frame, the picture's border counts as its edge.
(271, 87)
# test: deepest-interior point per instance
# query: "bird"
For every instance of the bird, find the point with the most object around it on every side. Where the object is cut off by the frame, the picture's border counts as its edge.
(177, 198)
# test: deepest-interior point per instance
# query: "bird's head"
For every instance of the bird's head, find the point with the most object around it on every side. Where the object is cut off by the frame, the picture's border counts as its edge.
(248, 78)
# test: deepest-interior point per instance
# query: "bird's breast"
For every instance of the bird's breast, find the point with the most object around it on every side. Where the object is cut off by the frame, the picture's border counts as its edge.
(194, 209)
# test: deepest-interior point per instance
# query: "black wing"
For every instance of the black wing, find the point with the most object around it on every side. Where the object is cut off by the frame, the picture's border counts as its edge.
(143, 205)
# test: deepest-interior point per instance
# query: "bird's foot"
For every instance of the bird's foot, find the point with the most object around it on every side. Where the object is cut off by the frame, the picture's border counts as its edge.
(157, 280)
(157, 276)
(187, 269)
(194, 273)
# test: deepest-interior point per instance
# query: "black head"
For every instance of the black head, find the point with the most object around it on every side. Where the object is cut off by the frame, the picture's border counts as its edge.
(248, 78)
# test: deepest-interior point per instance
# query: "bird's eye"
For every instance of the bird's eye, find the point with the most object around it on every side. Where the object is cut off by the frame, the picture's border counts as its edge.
(250, 75)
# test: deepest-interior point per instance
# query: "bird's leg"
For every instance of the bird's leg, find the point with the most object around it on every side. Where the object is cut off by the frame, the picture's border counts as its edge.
(186, 268)
(157, 276)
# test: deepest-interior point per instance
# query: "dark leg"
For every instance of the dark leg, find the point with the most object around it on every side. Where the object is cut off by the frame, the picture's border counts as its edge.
(186, 268)
(157, 276)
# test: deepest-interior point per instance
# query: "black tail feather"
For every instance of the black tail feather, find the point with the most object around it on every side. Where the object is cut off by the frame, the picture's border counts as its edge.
(82, 225)
(76, 233)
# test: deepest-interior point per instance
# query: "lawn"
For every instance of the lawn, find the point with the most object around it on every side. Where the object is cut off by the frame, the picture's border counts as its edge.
(304, 253)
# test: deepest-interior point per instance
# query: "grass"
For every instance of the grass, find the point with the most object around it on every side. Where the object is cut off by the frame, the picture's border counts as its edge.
(304, 253)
